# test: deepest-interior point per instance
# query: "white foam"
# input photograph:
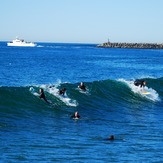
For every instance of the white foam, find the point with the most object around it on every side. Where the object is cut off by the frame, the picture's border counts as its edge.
(40, 46)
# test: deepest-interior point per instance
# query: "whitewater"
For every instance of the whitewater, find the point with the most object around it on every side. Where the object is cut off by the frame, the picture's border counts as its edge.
(33, 131)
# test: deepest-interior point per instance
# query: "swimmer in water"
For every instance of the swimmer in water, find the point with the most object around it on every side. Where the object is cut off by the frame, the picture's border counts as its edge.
(110, 138)
(42, 95)
(82, 86)
(62, 91)
(76, 115)
(140, 83)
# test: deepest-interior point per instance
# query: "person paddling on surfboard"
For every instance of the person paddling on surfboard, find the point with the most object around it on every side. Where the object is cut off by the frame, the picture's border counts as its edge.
(110, 138)
(82, 86)
(76, 115)
(140, 83)
(42, 95)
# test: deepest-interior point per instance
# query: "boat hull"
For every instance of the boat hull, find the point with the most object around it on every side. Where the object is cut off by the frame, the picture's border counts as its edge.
(22, 44)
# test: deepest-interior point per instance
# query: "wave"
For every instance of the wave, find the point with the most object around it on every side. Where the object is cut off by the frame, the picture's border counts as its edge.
(100, 95)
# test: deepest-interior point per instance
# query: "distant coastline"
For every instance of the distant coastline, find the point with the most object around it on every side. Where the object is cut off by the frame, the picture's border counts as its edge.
(131, 45)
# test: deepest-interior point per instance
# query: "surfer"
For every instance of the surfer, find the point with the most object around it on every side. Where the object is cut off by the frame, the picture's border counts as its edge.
(76, 115)
(110, 138)
(140, 83)
(62, 91)
(82, 86)
(42, 95)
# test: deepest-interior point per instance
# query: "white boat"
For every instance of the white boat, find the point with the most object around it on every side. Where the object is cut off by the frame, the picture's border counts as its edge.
(20, 42)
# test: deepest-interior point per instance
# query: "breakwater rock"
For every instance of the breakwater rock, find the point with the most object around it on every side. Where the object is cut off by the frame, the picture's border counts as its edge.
(131, 45)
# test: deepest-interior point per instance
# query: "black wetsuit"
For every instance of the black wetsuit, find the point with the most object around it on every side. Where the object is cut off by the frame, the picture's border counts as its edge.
(73, 116)
(139, 83)
(42, 95)
(61, 92)
(82, 87)
(109, 139)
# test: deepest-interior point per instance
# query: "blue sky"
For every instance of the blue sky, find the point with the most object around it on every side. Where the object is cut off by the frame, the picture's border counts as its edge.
(82, 21)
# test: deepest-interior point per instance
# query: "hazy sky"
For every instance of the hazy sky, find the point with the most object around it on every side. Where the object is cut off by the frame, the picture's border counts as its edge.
(82, 21)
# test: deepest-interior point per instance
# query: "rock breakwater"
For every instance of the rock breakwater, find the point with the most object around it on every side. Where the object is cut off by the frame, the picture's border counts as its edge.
(132, 45)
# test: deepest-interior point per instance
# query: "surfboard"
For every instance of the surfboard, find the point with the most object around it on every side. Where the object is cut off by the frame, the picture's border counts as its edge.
(32, 90)
(146, 93)
(36, 94)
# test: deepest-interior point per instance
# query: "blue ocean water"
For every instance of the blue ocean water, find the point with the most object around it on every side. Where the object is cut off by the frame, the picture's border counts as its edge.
(33, 131)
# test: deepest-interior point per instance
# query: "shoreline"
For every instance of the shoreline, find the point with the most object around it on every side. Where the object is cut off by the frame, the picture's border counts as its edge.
(131, 45)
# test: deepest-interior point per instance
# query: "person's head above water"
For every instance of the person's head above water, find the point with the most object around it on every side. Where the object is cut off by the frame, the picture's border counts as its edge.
(82, 83)
(76, 114)
(41, 90)
(111, 137)
(144, 83)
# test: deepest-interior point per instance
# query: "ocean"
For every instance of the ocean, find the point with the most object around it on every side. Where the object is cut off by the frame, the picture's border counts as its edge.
(32, 130)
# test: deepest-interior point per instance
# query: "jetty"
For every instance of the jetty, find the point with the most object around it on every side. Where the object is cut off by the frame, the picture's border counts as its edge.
(131, 45)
